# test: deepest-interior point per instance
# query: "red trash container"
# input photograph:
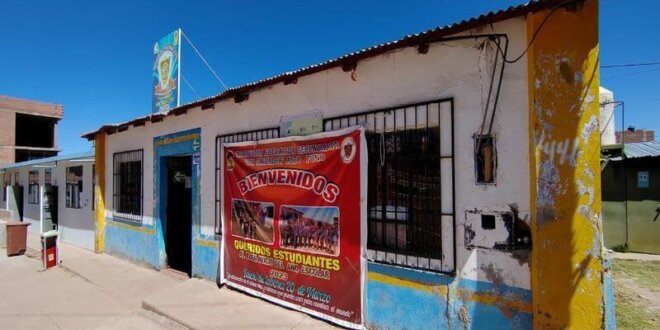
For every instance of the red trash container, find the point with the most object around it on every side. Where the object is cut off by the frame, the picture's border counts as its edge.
(49, 249)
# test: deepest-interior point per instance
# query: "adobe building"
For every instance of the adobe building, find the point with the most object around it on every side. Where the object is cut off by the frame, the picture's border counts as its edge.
(28, 129)
(483, 142)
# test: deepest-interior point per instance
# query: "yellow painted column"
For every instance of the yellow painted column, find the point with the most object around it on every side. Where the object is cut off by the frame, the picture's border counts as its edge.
(567, 252)
(99, 210)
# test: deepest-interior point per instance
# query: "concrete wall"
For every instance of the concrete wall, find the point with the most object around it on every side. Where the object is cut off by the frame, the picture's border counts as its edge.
(458, 70)
(568, 262)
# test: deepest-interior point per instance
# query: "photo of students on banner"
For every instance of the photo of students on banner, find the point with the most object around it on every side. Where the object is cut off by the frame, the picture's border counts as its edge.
(310, 229)
(294, 222)
(252, 220)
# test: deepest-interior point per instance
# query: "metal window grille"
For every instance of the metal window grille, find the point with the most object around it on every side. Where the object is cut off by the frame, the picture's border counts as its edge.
(410, 182)
(74, 184)
(256, 135)
(127, 185)
(33, 187)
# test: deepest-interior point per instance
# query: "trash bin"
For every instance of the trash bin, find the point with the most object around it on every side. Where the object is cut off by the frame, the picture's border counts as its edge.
(16, 237)
(49, 248)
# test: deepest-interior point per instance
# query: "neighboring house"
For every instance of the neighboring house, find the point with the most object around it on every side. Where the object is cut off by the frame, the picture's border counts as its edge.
(632, 135)
(28, 129)
(495, 199)
(53, 193)
(631, 198)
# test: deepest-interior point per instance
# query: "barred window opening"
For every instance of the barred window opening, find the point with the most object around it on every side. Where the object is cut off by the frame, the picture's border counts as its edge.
(74, 186)
(127, 185)
(406, 202)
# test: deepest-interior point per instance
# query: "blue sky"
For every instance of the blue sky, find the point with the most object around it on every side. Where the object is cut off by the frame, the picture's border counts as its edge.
(94, 57)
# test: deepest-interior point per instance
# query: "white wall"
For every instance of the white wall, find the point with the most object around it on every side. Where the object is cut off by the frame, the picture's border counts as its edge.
(396, 78)
(76, 226)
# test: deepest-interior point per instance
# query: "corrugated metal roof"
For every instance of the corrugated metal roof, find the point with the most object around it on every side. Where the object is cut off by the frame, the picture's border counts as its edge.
(427, 36)
(642, 149)
(80, 155)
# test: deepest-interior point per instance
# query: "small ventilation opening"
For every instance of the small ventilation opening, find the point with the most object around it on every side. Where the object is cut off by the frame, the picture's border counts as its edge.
(485, 158)
(488, 221)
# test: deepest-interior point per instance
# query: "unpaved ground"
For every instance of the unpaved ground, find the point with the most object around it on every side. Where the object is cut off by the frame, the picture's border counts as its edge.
(637, 290)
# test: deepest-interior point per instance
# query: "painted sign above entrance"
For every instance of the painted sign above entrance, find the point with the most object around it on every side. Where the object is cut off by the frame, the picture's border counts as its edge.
(294, 222)
(302, 124)
(166, 72)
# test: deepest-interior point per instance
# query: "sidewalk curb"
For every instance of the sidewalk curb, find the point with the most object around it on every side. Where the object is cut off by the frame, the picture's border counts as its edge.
(145, 305)
(149, 307)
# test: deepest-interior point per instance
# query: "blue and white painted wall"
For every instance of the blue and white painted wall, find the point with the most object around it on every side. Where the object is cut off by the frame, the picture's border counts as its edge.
(144, 241)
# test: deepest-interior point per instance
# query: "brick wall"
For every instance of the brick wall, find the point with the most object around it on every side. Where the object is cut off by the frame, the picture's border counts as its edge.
(9, 106)
(7, 136)
(636, 136)
(29, 106)
(6, 155)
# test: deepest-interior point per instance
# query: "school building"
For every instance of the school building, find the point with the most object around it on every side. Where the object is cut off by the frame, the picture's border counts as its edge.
(54, 193)
(484, 201)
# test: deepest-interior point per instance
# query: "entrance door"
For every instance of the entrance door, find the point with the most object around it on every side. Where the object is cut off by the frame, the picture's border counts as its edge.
(178, 213)
(50, 207)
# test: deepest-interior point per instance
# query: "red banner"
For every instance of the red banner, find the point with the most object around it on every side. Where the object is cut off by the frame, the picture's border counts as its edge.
(294, 222)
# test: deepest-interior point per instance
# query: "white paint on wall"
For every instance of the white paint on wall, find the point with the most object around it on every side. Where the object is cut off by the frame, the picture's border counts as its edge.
(396, 78)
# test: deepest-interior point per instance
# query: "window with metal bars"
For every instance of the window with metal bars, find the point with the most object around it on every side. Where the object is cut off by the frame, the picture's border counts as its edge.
(74, 185)
(33, 187)
(127, 185)
(407, 165)
(255, 135)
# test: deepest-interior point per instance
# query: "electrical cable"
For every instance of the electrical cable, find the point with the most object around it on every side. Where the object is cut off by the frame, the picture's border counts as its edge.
(536, 33)
(629, 65)
(190, 86)
(204, 60)
(490, 92)
(499, 83)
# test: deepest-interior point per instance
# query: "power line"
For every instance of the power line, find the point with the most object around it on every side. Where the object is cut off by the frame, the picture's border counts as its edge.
(629, 65)
(630, 73)
(204, 60)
